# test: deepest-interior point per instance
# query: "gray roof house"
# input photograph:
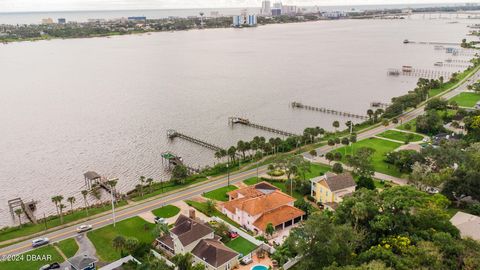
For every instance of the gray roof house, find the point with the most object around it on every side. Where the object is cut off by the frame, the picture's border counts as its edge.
(467, 224)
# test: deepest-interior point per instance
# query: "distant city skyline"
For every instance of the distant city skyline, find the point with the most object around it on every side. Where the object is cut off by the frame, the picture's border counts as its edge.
(67, 5)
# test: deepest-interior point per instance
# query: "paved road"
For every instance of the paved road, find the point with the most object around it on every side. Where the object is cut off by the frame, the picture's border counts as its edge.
(99, 222)
(69, 232)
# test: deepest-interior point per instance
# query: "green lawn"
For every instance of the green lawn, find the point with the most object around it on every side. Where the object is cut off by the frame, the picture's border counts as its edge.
(219, 194)
(251, 181)
(25, 260)
(29, 229)
(317, 170)
(158, 189)
(467, 99)
(412, 123)
(448, 85)
(202, 207)
(132, 227)
(69, 247)
(241, 245)
(382, 147)
(400, 136)
(166, 211)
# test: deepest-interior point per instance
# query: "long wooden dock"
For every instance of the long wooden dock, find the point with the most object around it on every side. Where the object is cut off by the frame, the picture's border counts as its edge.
(246, 122)
(298, 105)
(432, 43)
(172, 134)
(421, 73)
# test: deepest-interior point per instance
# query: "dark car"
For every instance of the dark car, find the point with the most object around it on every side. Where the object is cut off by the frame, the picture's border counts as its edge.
(54, 265)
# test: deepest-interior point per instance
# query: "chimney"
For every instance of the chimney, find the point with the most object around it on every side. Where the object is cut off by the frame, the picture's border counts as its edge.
(191, 213)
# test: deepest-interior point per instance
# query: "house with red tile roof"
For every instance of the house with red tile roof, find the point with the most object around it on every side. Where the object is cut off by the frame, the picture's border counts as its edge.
(256, 206)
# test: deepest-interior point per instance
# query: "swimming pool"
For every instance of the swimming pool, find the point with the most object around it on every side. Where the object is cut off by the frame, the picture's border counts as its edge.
(259, 267)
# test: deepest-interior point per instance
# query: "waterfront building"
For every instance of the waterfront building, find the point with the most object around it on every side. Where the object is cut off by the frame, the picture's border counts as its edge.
(276, 11)
(137, 18)
(256, 206)
(192, 235)
(334, 14)
(330, 189)
(289, 10)
(62, 21)
(47, 21)
(266, 8)
(244, 20)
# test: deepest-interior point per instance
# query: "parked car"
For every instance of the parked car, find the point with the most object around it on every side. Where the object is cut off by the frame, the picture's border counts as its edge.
(54, 265)
(432, 190)
(84, 228)
(233, 234)
(160, 220)
(40, 242)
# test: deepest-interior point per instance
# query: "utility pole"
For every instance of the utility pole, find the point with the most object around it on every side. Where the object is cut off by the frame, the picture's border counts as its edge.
(113, 202)
(228, 174)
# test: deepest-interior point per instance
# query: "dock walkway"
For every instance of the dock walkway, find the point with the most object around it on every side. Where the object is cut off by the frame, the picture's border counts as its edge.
(246, 122)
(299, 105)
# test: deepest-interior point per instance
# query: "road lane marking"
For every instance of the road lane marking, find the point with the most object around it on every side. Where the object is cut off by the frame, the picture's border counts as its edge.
(161, 201)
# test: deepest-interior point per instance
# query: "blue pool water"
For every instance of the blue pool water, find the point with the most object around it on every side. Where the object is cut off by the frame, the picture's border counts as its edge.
(259, 267)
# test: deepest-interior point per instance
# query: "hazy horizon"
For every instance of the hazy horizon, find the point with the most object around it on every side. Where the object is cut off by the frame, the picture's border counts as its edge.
(18, 6)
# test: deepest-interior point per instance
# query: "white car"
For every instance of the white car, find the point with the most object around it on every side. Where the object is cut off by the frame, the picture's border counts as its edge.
(40, 242)
(84, 228)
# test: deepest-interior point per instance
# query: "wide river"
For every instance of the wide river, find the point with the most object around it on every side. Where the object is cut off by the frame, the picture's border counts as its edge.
(105, 104)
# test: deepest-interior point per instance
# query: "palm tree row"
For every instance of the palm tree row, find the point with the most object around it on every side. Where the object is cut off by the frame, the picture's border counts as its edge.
(259, 146)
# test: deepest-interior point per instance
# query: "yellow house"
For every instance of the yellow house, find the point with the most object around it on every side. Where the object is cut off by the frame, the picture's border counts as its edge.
(329, 189)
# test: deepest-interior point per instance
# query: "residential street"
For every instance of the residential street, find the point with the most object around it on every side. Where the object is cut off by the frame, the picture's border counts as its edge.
(208, 186)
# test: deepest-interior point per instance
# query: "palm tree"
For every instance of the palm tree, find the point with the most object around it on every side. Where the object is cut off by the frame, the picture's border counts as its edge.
(370, 113)
(118, 242)
(95, 192)
(71, 200)
(19, 212)
(85, 201)
(183, 261)
(232, 151)
(336, 125)
(160, 230)
(56, 200)
(345, 141)
(149, 183)
(61, 206)
(269, 230)
(142, 182)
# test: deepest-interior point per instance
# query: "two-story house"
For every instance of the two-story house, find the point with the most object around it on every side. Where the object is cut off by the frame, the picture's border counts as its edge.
(330, 189)
(256, 206)
(190, 235)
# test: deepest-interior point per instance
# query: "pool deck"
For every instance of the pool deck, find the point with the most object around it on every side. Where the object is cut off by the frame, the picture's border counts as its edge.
(265, 261)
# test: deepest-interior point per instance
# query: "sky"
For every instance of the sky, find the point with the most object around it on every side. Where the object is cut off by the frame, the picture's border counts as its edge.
(60, 5)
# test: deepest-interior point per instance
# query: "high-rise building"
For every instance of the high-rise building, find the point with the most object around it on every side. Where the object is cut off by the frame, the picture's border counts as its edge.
(289, 10)
(266, 8)
(62, 21)
(244, 20)
(276, 11)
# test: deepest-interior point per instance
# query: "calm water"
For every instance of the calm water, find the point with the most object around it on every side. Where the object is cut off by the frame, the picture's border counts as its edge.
(104, 104)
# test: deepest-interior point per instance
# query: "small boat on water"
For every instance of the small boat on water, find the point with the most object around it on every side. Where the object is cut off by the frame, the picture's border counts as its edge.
(406, 41)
